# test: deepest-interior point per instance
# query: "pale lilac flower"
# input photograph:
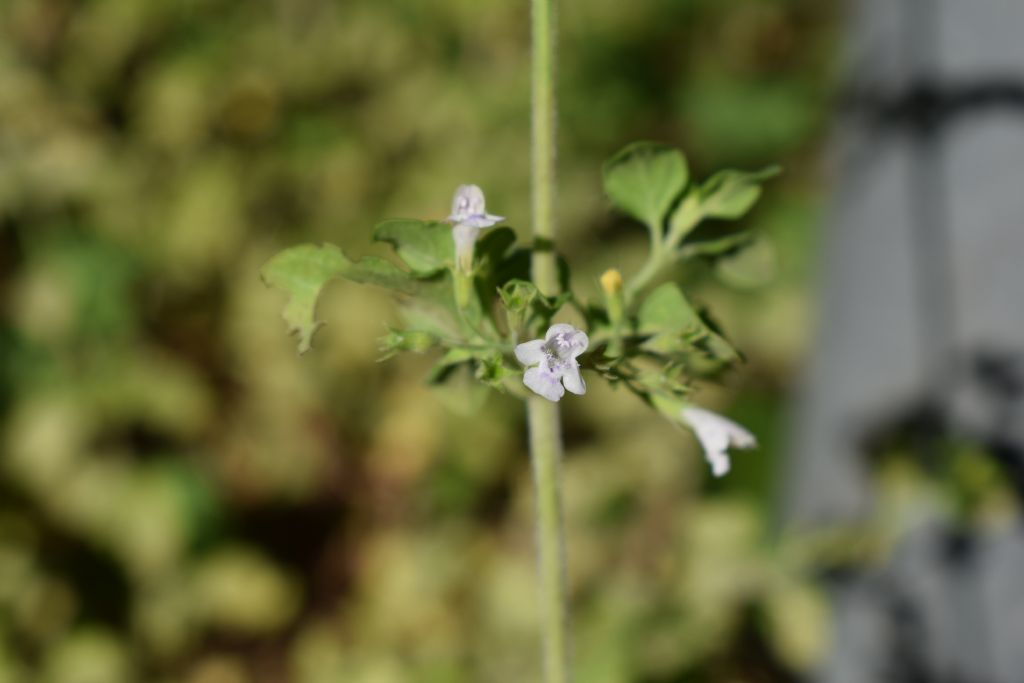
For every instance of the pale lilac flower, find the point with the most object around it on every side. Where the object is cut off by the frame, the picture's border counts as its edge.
(468, 208)
(470, 217)
(554, 361)
(716, 435)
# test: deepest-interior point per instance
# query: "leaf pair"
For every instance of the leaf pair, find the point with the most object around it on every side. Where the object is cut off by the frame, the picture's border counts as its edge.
(651, 182)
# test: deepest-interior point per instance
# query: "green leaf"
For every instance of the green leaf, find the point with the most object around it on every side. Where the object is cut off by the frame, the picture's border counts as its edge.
(303, 271)
(667, 312)
(431, 314)
(644, 179)
(685, 218)
(494, 246)
(668, 405)
(729, 195)
(714, 242)
(750, 268)
(676, 327)
(373, 270)
(497, 263)
(425, 246)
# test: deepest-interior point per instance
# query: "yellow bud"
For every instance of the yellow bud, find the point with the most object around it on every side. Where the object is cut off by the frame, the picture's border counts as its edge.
(611, 282)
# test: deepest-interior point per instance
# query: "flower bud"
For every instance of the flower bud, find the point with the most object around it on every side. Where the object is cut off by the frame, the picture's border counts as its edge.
(611, 282)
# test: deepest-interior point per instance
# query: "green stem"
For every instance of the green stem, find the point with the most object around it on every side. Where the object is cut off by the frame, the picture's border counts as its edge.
(543, 416)
(664, 252)
(650, 270)
(546, 457)
(542, 177)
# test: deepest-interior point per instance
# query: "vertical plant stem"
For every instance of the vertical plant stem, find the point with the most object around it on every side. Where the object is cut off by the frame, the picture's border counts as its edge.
(542, 177)
(543, 416)
(546, 457)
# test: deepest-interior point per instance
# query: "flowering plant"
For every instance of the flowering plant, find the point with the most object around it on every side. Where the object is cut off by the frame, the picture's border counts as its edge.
(471, 297)
(475, 299)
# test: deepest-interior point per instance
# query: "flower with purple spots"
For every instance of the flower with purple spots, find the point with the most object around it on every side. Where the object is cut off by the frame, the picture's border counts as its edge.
(554, 367)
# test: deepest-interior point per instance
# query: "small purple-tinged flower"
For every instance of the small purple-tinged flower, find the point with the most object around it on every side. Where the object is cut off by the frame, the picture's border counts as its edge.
(554, 362)
(716, 435)
(468, 208)
(469, 217)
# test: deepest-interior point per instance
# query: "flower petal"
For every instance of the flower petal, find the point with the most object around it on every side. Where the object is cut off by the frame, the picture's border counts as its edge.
(710, 423)
(542, 381)
(739, 437)
(481, 220)
(579, 342)
(716, 434)
(468, 201)
(719, 461)
(465, 239)
(572, 380)
(712, 440)
(559, 328)
(575, 341)
(531, 352)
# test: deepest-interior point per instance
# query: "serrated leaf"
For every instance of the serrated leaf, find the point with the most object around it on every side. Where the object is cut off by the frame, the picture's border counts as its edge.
(644, 179)
(303, 271)
(728, 195)
(425, 246)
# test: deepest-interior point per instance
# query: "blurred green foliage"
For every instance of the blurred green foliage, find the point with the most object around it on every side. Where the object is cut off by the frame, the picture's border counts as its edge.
(182, 498)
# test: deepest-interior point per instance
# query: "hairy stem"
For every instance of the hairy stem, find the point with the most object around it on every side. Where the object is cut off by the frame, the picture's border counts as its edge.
(543, 416)
(651, 269)
(546, 457)
(664, 251)
(542, 177)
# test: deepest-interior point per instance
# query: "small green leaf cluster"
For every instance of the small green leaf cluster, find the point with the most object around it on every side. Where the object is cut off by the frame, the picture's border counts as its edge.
(478, 332)
(653, 342)
(651, 183)
(658, 342)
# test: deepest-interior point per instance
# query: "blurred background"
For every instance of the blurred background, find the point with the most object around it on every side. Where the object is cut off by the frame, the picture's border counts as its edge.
(184, 498)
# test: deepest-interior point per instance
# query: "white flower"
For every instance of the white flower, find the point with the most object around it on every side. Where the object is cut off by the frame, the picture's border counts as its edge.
(468, 208)
(716, 435)
(554, 361)
(469, 216)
